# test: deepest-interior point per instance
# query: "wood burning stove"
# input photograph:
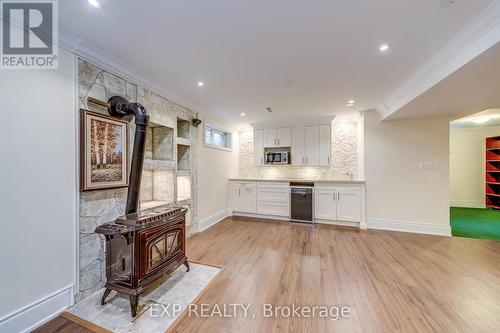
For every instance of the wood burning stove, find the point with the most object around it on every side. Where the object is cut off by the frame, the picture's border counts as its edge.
(143, 246)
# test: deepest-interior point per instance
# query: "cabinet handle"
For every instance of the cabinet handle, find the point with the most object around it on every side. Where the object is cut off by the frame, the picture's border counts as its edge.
(328, 159)
(334, 196)
(239, 192)
(261, 162)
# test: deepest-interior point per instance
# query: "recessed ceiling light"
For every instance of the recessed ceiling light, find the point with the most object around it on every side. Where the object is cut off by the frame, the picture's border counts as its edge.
(94, 3)
(351, 101)
(481, 119)
(242, 114)
(383, 47)
(269, 109)
(200, 84)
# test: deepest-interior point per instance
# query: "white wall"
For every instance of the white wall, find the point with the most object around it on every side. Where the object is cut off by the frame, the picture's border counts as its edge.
(215, 167)
(401, 195)
(467, 165)
(38, 191)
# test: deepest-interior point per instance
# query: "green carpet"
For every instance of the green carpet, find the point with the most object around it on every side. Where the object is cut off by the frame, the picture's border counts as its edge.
(475, 223)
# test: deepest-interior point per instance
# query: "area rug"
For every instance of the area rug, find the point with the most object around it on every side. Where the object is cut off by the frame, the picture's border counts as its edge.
(158, 309)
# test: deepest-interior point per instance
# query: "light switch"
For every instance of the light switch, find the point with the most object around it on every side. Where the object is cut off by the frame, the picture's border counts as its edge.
(426, 165)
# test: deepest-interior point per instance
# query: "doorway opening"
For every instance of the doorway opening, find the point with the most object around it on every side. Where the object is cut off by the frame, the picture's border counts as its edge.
(475, 175)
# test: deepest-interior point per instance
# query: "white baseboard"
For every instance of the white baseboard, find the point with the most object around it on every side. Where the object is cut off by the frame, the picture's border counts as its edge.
(413, 227)
(212, 220)
(467, 204)
(338, 223)
(39, 312)
(262, 216)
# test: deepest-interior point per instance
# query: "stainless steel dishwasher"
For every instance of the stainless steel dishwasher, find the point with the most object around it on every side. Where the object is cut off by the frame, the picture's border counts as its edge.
(301, 203)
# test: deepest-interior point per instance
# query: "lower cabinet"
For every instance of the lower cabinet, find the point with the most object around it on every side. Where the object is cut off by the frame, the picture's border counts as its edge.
(273, 199)
(332, 202)
(273, 208)
(349, 205)
(325, 206)
(338, 204)
(244, 197)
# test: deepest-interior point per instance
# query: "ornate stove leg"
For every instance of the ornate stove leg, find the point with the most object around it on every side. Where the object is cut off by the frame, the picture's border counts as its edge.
(186, 263)
(106, 294)
(134, 301)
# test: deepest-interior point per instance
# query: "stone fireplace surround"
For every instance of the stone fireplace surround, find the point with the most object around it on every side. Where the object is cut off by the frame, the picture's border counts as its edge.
(162, 179)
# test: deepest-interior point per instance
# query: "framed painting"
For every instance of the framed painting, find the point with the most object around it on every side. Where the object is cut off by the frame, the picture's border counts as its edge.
(103, 151)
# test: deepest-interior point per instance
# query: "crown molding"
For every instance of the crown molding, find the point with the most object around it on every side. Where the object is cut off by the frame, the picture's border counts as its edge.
(478, 36)
(110, 63)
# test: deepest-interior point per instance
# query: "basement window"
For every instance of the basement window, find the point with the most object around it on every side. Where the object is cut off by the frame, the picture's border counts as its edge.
(217, 138)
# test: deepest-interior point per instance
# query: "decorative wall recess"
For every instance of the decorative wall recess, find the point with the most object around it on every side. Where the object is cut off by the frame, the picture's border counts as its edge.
(183, 128)
(157, 188)
(183, 187)
(183, 157)
(160, 143)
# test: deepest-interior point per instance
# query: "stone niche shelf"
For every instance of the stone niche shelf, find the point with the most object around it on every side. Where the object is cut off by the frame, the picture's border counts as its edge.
(183, 186)
(183, 128)
(157, 188)
(160, 143)
(183, 159)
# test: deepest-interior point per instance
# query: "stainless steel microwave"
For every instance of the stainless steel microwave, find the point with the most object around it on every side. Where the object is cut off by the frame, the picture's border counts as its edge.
(280, 157)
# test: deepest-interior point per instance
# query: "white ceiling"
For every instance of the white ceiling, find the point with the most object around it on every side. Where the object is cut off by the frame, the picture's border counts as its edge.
(492, 116)
(299, 57)
(472, 88)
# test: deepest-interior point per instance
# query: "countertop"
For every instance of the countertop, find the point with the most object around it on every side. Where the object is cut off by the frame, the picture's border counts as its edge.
(342, 181)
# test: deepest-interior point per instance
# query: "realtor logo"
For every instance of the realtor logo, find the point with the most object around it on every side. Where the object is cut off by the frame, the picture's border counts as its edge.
(29, 35)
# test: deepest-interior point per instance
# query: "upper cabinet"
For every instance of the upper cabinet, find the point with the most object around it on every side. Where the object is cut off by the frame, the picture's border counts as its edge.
(317, 145)
(284, 136)
(277, 137)
(298, 149)
(258, 149)
(325, 144)
(309, 145)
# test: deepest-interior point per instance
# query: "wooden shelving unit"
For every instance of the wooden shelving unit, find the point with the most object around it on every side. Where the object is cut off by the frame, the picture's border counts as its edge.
(493, 172)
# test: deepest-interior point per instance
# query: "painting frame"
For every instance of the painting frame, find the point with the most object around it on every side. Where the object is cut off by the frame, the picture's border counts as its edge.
(86, 172)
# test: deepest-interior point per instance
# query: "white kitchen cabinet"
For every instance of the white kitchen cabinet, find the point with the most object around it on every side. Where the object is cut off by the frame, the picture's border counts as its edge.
(298, 153)
(349, 205)
(338, 204)
(258, 150)
(284, 137)
(325, 204)
(270, 138)
(311, 141)
(244, 197)
(273, 199)
(277, 137)
(325, 144)
(273, 208)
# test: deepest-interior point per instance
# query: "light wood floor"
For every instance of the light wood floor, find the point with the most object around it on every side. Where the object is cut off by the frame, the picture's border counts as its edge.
(392, 281)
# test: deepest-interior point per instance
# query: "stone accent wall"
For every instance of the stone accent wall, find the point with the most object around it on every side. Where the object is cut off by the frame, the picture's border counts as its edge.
(344, 155)
(98, 207)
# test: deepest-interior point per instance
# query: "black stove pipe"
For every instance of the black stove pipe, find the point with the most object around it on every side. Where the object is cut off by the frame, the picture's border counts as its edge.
(121, 108)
